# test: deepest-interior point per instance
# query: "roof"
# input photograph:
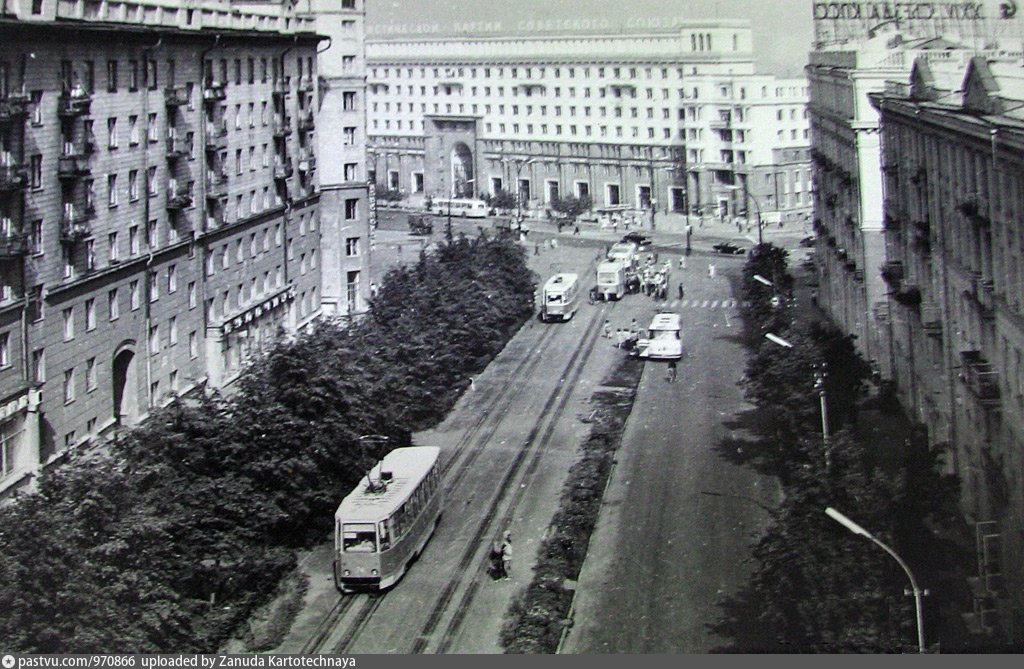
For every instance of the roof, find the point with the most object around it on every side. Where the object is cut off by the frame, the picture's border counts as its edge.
(407, 466)
(563, 280)
(665, 322)
(622, 247)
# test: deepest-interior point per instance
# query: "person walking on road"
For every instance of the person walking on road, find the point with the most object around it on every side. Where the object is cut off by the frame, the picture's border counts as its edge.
(681, 291)
(506, 556)
(607, 329)
(671, 378)
(711, 271)
(682, 262)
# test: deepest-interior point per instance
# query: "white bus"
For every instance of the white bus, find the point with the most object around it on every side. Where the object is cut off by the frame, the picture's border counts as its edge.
(386, 521)
(662, 340)
(465, 207)
(560, 297)
(611, 280)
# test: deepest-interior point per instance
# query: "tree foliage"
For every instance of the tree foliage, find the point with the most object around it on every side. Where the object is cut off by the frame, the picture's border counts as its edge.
(167, 541)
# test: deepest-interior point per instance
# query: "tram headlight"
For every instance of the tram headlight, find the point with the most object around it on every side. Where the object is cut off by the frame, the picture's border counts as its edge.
(346, 572)
(373, 572)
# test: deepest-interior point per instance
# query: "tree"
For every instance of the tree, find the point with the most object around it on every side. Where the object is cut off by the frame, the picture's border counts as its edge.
(567, 209)
(502, 201)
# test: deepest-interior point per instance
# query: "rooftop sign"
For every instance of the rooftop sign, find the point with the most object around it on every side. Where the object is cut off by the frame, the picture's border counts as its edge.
(841, 20)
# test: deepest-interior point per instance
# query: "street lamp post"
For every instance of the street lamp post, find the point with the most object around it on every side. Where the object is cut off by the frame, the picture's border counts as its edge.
(757, 206)
(448, 225)
(915, 590)
(520, 164)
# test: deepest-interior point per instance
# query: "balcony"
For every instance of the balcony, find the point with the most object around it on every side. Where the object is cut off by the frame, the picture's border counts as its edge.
(175, 96)
(216, 186)
(307, 161)
(72, 105)
(216, 137)
(283, 169)
(74, 224)
(176, 200)
(72, 166)
(282, 126)
(13, 177)
(213, 92)
(306, 120)
(13, 245)
(720, 124)
(281, 88)
(176, 148)
(980, 377)
(307, 83)
(980, 295)
(931, 318)
(13, 108)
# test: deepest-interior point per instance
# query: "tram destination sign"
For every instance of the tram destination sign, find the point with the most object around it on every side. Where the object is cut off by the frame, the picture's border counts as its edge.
(851, 19)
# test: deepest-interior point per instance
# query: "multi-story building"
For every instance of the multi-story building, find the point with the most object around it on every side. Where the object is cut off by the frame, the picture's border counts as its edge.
(953, 160)
(345, 209)
(604, 116)
(158, 206)
(848, 177)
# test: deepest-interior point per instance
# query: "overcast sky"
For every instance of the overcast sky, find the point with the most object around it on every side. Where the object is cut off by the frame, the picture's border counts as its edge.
(782, 28)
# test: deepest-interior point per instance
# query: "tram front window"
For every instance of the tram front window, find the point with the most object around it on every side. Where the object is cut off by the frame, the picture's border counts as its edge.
(554, 298)
(359, 538)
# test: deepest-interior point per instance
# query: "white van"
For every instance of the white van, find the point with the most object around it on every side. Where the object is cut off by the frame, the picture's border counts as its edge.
(662, 340)
(560, 298)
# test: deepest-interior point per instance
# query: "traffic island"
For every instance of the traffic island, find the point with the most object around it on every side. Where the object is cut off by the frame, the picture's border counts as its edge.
(539, 616)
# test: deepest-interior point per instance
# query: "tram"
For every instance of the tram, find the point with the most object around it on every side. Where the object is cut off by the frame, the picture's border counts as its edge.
(465, 207)
(382, 525)
(560, 297)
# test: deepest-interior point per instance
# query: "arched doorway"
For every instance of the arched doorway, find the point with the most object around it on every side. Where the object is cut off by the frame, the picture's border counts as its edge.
(125, 381)
(463, 180)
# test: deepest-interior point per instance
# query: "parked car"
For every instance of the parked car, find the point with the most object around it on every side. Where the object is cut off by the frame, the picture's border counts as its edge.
(420, 225)
(729, 248)
(638, 238)
(807, 242)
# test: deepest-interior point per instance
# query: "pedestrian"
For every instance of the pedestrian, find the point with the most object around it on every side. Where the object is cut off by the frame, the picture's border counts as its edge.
(506, 556)
(681, 292)
(607, 329)
(682, 262)
(671, 378)
(399, 249)
(576, 230)
(536, 249)
(711, 271)
(634, 328)
(554, 243)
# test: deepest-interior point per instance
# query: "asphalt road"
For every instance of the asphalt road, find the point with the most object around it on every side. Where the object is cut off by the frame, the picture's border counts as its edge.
(678, 520)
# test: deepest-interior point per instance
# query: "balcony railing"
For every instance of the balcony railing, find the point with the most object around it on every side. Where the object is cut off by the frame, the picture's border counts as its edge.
(720, 124)
(176, 201)
(13, 245)
(282, 126)
(980, 377)
(13, 177)
(931, 317)
(283, 169)
(72, 167)
(71, 105)
(214, 91)
(176, 148)
(216, 186)
(307, 83)
(307, 161)
(13, 107)
(216, 137)
(306, 120)
(74, 224)
(980, 294)
(175, 96)
(281, 88)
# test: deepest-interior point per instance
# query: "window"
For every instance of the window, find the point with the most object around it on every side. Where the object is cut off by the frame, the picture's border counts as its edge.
(350, 136)
(133, 75)
(68, 316)
(191, 294)
(352, 247)
(154, 286)
(90, 254)
(36, 236)
(153, 129)
(5, 349)
(193, 345)
(154, 339)
(133, 185)
(133, 294)
(172, 330)
(39, 365)
(37, 172)
(111, 133)
(69, 391)
(90, 314)
(151, 78)
(36, 304)
(351, 209)
(151, 187)
(151, 234)
(90, 375)
(113, 307)
(172, 279)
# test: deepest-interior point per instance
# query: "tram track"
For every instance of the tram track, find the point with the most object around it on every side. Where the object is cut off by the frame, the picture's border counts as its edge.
(469, 447)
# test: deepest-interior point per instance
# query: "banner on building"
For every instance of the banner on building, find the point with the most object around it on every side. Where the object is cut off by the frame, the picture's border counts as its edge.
(847, 20)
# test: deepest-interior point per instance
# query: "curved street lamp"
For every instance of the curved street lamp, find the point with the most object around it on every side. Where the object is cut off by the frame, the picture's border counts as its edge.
(916, 591)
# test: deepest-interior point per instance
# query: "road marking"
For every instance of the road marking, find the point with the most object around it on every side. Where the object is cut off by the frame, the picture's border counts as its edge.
(705, 303)
(714, 303)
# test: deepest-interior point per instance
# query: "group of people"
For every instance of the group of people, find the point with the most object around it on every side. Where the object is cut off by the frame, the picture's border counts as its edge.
(623, 337)
(654, 280)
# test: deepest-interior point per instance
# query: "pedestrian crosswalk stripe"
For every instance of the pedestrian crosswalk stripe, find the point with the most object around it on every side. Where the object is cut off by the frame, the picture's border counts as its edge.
(705, 304)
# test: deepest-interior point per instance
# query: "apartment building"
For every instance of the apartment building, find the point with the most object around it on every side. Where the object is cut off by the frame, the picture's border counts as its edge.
(610, 117)
(953, 162)
(159, 207)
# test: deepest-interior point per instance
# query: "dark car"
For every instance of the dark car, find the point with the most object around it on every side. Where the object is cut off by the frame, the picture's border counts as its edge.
(420, 225)
(807, 242)
(638, 238)
(729, 248)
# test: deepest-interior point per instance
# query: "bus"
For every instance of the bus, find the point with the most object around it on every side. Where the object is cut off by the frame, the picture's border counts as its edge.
(382, 525)
(465, 207)
(662, 340)
(611, 280)
(559, 298)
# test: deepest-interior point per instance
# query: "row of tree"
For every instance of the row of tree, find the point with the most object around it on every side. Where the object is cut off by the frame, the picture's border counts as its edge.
(817, 587)
(166, 541)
